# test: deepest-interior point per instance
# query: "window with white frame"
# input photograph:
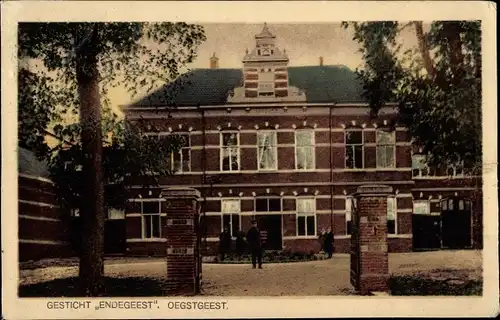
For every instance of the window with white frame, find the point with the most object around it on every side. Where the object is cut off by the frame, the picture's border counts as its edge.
(230, 151)
(386, 149)
(420, 167)
(151, 226)
(391, 215)
(306, 216)
(348, 214)
(231, 209)
(180, 160)
(304, 150)
(267, 151)
(421, 207)
(455, 170)
(354, 149)
(266, 82)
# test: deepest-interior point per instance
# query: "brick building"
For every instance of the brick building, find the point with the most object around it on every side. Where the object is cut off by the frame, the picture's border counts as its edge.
(288, 146)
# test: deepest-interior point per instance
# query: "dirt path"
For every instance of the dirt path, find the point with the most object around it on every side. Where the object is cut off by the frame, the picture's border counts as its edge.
(324, 277)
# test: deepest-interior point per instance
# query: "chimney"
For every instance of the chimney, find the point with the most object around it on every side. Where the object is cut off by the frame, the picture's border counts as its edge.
(214, 62)
(321, 61)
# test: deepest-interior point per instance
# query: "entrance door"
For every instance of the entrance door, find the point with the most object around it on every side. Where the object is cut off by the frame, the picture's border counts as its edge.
(271, 224)
(456, 223)
(426, 231)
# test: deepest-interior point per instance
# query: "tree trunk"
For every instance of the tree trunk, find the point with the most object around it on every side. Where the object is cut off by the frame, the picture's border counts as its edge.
(424, 49)
(92, 199)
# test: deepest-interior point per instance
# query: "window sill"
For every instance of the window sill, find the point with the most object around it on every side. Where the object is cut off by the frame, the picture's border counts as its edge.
(444, 177)
(147, 240)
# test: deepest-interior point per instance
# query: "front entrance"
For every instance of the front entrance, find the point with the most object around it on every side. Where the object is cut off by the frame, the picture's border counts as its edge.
(456, 223)
(426, 231)
(271, 225)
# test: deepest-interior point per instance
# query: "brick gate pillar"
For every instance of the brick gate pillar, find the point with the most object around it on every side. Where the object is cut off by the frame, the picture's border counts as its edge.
(369, 246)
(179, 230)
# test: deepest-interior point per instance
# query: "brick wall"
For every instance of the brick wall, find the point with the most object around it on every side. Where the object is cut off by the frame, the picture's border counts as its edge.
(43, 227)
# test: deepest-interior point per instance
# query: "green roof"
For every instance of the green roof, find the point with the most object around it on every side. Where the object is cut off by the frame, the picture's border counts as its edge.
(212, 86)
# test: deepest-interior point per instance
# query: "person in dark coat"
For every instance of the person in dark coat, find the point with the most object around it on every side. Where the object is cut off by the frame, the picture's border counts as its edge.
(255, 245)
(224, 243)
(328, 243)
(240, 243)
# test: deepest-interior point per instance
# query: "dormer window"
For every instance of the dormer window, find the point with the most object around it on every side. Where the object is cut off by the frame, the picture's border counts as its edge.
(266, 82)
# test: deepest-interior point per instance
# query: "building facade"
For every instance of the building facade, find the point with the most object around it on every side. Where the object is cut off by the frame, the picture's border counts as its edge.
(288, 146)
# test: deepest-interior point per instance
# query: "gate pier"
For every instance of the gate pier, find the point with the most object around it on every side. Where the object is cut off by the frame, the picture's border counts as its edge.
(369, 246)
(181, 249)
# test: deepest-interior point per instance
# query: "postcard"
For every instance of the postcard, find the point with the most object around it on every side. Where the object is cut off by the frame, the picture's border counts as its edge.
(249, 159)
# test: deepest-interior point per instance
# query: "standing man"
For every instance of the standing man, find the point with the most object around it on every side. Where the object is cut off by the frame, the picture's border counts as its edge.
(240, 243)
(255, 245)
(224, 243)
(328, 244)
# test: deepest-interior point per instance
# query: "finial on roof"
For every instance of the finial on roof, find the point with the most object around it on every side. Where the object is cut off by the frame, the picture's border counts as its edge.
(265, 33)
(246, 50)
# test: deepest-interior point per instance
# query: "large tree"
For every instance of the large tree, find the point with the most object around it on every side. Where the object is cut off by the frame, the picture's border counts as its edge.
(86, 60)
(436, 85)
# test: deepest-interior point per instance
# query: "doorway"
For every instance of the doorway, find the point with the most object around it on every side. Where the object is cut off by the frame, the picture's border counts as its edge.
(271, 224)
(456, 223)
(426, 231)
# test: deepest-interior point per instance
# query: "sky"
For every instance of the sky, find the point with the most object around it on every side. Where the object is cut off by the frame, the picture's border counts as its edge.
(304, 44)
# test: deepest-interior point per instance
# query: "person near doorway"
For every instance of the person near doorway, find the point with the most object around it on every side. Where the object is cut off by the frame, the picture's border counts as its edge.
(321, 239)
(224, 243)
(240, 243)
(328, 243)
(255, 245)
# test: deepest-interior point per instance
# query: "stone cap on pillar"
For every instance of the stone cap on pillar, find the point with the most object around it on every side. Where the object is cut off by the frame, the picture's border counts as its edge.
(180, 193)
(373, 190)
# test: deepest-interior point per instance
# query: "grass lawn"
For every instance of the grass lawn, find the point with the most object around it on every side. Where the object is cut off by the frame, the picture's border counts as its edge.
(142, 286)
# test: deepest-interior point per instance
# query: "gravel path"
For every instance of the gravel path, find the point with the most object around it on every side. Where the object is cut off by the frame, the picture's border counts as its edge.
(324, 277)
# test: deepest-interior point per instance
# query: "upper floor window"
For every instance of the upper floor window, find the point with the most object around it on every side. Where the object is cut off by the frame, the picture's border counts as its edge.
(420, 167)
(386, 145)
(391, 215)
(456, 170)
(180, 160)
(354, 149)
(230, 151)
(306, 216)
(267, 151)
(304, 150)
(151, 225)
(231, 209)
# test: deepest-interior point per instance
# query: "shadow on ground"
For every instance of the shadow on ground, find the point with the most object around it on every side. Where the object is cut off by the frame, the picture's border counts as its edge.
(418, 286)
(142, 287)
(113, 287)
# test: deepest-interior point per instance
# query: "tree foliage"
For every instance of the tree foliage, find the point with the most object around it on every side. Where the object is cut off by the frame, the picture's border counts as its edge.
(83, 61)
(138, 56)
(436, 86)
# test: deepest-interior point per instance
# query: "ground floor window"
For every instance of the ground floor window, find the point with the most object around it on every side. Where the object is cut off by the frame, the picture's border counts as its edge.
(151, 225)
(348, 214)
(392, 227)
(306, 217)
(231, 209)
